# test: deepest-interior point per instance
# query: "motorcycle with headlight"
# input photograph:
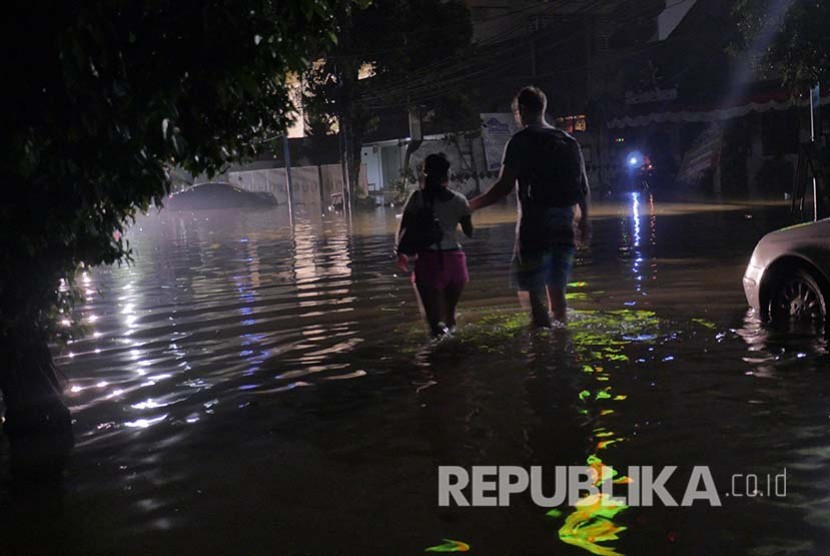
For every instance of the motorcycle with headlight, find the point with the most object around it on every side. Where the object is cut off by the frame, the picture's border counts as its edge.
(639, 170)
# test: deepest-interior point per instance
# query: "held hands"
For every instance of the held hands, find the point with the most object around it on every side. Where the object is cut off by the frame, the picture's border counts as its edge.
(403, 262)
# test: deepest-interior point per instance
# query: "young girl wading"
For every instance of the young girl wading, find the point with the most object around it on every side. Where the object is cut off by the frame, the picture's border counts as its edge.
(428, 234)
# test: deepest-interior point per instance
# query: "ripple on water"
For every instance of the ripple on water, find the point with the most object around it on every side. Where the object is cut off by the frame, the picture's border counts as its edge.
(244, 363)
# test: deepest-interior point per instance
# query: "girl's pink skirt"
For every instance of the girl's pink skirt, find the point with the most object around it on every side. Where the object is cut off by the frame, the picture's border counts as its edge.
(439, 269)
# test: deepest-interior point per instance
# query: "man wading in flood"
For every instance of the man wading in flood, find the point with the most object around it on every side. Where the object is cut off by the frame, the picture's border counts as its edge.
(553, 193)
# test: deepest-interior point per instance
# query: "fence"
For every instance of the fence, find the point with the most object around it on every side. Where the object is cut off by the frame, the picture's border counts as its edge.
(312, 185)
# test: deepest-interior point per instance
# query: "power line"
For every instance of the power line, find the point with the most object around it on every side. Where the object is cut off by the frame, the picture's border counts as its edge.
(467, 70)
(459, 87)
(461, 60)
(455, 73)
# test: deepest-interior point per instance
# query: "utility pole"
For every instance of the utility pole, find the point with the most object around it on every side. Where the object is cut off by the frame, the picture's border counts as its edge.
(342, 148)
(345, 75)
(288, 186)
(815, 102)
(320, 191)
(344, 166)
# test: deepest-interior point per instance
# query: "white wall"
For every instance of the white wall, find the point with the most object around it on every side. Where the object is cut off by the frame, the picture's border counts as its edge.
(370, 156)
(306, 182)
(271, 180)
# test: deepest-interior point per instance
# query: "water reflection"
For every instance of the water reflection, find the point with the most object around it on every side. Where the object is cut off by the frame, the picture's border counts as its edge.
(636, 248)
(171, 312)
(772, 348)
(602, 340)
(255, 373)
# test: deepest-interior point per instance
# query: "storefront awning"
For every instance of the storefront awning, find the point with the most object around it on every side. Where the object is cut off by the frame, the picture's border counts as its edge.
(763, 102)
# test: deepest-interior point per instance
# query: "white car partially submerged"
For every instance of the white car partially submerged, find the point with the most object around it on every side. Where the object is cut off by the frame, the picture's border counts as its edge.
(788, 277)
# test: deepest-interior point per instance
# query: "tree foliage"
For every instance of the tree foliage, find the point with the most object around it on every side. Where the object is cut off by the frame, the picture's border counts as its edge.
(396, 38)
(790, 35)
(399, 40)
(103, 97)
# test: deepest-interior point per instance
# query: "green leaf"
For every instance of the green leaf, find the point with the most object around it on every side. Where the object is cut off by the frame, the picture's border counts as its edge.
(449, 545)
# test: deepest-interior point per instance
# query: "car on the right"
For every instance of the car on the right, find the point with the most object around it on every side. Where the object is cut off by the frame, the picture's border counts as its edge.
(788, 277)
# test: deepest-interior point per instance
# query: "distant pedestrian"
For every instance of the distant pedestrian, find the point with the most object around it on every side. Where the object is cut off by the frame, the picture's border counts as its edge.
(553, 193)
(427, 234)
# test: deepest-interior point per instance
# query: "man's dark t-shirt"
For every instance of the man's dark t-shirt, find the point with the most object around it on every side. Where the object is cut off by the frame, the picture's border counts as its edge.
(551, 175)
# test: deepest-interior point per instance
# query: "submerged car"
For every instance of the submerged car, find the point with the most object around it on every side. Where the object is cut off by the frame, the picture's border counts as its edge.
(788, 277)
(218, 195)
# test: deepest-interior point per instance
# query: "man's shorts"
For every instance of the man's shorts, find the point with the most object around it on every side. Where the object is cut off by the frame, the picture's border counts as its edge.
(544, 251)
(550, 267)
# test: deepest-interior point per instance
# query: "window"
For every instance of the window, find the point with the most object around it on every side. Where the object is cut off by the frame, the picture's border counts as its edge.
(572, 124)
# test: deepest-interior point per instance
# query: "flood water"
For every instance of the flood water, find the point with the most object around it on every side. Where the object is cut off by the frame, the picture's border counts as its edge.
(249, 386)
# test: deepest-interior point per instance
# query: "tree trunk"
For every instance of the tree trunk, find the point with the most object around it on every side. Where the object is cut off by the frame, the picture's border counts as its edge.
(37, 422)
(347, 74)
(352, 171)
(347, 125)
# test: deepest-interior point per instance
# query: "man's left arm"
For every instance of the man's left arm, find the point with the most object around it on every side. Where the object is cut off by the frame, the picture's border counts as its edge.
(502, 188)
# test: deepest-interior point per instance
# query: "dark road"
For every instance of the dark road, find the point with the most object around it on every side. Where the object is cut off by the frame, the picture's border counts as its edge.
(252, 387)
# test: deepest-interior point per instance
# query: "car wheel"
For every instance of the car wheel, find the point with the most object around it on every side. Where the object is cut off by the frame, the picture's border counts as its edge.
(798, 297)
